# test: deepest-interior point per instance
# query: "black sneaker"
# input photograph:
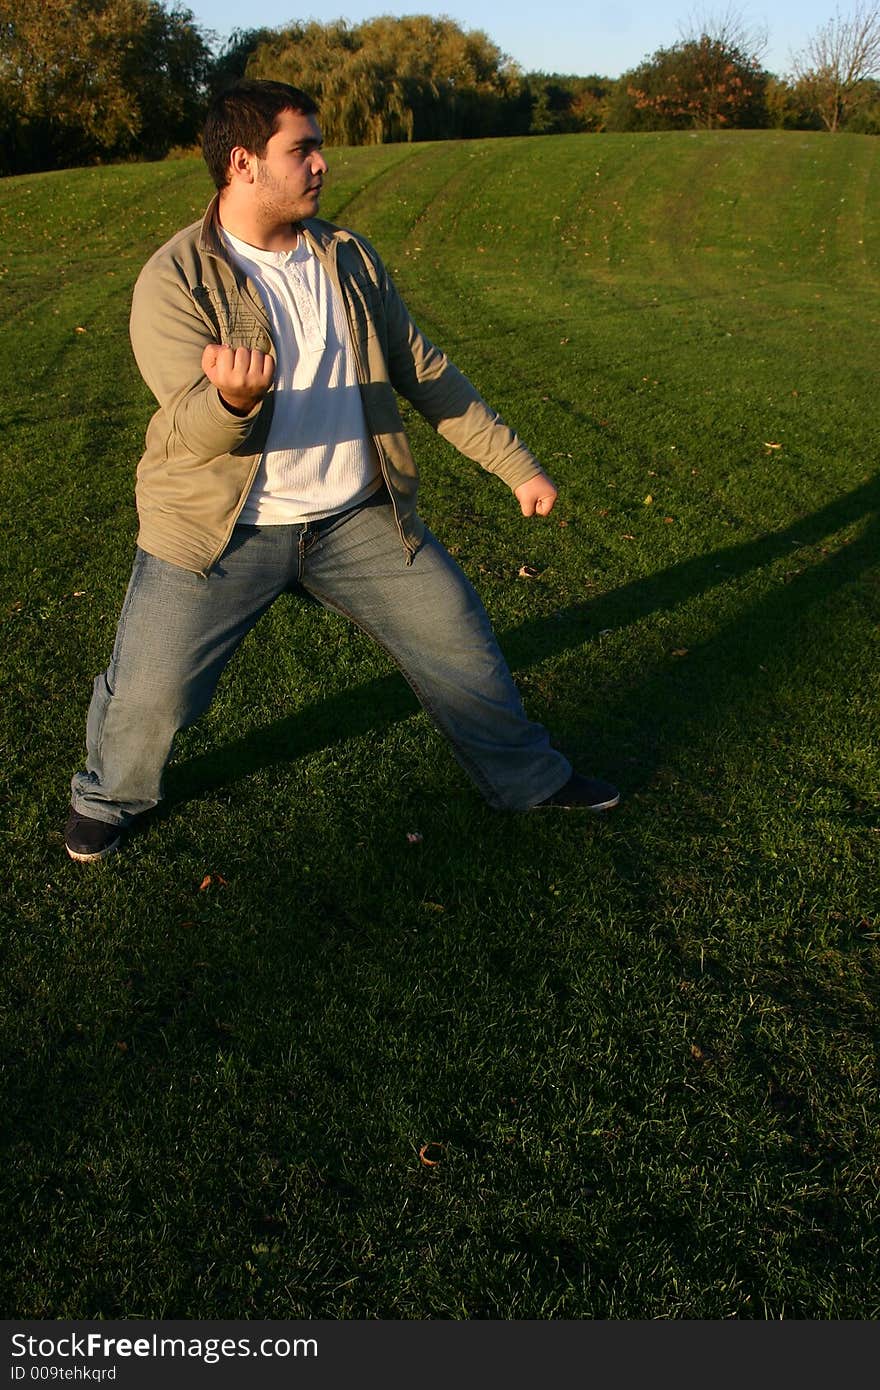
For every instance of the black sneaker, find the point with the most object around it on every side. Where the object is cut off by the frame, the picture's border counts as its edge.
(582, 794)
(86, 839)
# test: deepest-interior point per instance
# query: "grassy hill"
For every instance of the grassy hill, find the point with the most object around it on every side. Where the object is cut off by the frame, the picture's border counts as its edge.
(645, 1049)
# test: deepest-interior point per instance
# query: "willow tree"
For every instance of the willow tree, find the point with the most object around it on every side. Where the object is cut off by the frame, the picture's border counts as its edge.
(389, 79)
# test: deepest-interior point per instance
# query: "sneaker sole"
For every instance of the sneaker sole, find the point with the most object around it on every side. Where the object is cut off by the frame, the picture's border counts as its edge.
(92, 855)
(577, 805)
(598, 805)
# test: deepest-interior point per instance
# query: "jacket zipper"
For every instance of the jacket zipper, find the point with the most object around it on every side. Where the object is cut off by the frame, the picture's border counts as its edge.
(409, 548)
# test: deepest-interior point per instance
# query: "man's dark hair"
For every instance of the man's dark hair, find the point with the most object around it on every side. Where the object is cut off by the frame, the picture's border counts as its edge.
(247, 114)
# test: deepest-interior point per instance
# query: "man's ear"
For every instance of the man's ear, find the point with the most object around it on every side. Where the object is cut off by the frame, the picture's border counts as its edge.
(242, 165)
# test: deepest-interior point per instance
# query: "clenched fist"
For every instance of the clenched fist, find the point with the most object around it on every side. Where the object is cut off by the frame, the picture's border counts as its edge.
(241, 375)
(536, 497)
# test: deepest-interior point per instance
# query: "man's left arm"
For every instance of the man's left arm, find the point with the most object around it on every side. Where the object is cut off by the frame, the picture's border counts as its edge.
(424, 375)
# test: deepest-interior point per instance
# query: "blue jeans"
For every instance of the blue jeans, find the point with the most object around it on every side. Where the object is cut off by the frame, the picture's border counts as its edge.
(178, 630)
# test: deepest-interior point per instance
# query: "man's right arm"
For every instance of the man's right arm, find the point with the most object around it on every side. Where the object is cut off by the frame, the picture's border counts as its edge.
(210, 397)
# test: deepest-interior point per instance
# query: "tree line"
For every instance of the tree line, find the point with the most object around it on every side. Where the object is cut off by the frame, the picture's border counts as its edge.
(85, 81)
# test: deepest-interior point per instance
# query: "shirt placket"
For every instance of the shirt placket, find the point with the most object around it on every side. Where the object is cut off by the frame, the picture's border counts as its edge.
(314, 336)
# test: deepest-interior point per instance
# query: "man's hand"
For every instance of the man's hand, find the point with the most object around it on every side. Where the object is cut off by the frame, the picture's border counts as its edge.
(241, 375)
(536, 497)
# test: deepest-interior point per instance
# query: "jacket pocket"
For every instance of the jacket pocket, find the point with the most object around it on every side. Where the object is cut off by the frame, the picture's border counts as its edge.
(232, 318)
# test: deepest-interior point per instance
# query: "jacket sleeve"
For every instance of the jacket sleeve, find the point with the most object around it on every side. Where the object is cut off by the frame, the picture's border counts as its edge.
(424, 375)
(168, 336)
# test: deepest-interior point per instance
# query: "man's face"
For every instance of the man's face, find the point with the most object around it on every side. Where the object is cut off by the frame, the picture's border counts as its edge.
(290, 174)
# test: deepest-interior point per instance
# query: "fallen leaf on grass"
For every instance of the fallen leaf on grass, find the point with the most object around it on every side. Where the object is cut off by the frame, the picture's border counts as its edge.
(423, 1151)
(415, 837)
(80, 330)
(771, 446)
(648, 500)
(528, 572)
(680, 651)
(212, 878)
(433, 907)
(669, 520)
(625, 536)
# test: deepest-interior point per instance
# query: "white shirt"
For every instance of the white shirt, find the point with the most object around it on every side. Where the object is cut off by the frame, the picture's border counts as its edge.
(317, 459)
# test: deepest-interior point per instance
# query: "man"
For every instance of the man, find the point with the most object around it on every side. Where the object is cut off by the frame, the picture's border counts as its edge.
(274, 343)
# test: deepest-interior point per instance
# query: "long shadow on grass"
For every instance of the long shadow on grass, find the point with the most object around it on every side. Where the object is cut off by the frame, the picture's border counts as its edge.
(374, 706)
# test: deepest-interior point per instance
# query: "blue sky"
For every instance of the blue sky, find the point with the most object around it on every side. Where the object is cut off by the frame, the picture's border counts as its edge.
(574, 36)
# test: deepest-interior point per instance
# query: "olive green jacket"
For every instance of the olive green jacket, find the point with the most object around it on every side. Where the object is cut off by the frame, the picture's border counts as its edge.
(200, 459)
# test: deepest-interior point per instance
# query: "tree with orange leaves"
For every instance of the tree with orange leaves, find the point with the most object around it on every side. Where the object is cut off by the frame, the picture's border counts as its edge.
(704, 83)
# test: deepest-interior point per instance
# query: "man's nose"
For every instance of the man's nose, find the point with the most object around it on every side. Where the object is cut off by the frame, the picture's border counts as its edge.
(319, 163)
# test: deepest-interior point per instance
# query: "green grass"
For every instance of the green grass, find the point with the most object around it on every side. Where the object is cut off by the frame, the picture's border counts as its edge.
(647, 1048)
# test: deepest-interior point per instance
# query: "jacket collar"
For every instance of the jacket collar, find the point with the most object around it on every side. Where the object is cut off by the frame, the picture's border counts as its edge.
(321, 234)
(210, 240)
